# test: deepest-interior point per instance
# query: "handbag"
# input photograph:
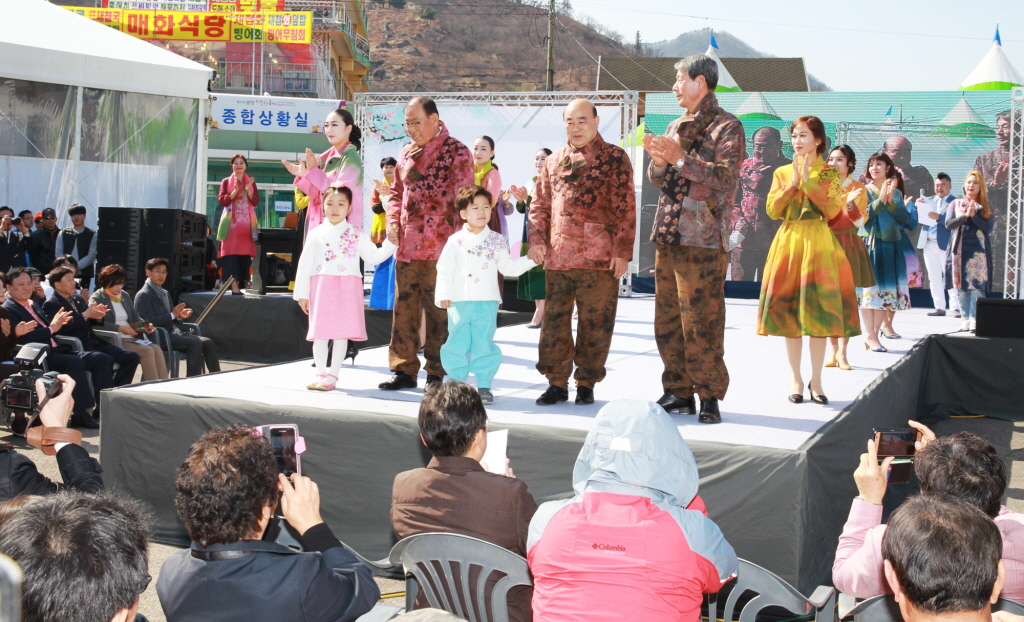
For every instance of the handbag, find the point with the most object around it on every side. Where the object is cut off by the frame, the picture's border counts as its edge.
(224, 226)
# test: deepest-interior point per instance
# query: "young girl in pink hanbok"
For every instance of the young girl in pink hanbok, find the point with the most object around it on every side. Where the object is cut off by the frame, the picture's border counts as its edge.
(328, 286)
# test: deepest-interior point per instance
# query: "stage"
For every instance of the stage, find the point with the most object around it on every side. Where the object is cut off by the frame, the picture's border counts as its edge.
(776, 476)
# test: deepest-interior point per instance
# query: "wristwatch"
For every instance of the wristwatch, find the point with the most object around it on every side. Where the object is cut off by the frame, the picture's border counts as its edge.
(680, 161)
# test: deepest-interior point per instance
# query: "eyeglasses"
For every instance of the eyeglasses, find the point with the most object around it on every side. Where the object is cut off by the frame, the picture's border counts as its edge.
(412, 125)
(49, 218)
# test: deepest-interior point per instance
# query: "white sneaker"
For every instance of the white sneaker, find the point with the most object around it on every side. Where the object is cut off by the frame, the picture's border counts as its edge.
(964, 326)
(974, 325)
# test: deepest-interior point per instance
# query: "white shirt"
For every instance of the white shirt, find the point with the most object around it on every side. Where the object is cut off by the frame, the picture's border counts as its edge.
(120, 315)
(335, 250)
(469, 265)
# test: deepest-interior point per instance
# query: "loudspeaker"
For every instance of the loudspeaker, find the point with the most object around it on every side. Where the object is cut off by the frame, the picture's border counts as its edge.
(1000, 317)
(131, 236)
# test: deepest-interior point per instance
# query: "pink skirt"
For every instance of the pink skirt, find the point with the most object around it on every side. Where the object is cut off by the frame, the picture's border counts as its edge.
(336, 308)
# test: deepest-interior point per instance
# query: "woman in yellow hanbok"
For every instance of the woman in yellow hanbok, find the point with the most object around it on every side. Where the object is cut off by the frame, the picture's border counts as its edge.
(807, 287)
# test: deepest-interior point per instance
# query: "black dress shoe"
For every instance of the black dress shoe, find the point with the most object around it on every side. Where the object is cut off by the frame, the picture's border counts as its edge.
(432, 381)
(682, 405)
(553, 395)
(817, 399)
(584, 395)
(350, 352)
(709, 411)
(397, 382)
(84, 421)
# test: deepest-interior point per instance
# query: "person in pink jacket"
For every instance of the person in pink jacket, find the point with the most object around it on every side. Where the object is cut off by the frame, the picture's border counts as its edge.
(964, 466)
(239, 196)
(636, 486)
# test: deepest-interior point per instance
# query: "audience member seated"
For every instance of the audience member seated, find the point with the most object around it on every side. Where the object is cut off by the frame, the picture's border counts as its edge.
(38, 291)
(64, 298)
(634, 543)
(30, 326)
(942, 560)
(78, 470)
(8, 340)
(154, 305)
(963, 466)
(63, 260)
(454, 494)
(122, 317)
(227, 489)
(83, 557)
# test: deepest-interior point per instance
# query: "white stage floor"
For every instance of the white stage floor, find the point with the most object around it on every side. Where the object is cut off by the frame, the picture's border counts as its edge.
(755, 411)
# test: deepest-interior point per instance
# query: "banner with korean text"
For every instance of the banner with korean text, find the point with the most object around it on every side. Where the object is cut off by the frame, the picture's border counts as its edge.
(269, 26)
(222, 6)
(295, 115)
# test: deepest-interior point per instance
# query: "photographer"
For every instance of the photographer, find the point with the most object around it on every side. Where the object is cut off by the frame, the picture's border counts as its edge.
(227, 489)
(963, 466)
(79, 471)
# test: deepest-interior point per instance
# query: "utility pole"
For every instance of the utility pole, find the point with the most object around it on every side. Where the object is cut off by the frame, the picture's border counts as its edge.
(549, 80)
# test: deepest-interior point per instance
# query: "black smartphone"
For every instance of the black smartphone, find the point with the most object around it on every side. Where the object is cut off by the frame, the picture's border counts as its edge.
(901, 445)
(287, 445)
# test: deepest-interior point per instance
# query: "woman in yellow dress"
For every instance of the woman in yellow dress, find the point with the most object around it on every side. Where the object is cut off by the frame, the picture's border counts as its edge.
(807, 287)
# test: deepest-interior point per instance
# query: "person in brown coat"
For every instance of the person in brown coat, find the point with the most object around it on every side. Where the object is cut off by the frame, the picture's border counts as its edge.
(582, 226)
(454, 493)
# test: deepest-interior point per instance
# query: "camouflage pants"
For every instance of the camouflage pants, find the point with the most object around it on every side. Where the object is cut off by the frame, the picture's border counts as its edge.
(414, 289)
(689, 319)
(596, 294)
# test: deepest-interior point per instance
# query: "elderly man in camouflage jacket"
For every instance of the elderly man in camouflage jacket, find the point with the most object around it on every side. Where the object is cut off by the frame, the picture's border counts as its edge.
(582, 226)
(696, 165)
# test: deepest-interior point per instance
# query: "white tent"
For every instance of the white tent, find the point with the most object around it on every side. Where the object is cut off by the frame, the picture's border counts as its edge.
(726, 83)
(994, 72)
(963, 114)
(46, 43)
(95, 116)
(756, 107)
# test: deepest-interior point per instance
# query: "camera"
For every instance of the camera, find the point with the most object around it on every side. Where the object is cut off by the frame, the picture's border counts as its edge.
(18, 392)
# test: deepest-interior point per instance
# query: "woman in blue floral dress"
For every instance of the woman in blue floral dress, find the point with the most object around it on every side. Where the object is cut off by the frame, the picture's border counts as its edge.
(969, 260)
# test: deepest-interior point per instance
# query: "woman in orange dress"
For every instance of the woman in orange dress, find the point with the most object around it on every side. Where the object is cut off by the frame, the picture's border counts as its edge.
(844, 225)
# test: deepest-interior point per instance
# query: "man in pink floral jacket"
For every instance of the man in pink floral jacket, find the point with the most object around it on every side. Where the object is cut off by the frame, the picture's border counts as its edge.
(421, 217)
(582, 224)
(696, 164)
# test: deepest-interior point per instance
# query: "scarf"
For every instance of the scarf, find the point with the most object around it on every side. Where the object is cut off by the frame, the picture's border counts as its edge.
(573, 166)
(232, 185)
(691, 132)
(479, 172)
(112, 297)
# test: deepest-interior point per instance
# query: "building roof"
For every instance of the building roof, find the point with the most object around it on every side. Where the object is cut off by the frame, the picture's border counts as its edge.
(648, 75)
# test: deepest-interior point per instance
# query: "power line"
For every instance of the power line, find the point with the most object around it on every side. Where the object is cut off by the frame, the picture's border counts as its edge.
(588, 52)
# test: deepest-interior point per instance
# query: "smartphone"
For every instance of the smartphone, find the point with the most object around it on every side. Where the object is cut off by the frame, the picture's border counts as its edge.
(287, 444)
(901, 445)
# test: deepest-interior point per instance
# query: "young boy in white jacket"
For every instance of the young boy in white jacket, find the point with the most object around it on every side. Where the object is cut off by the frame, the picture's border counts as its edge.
(467, 285)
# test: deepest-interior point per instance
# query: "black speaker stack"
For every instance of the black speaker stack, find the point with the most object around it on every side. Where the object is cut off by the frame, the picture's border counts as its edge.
(131, 236)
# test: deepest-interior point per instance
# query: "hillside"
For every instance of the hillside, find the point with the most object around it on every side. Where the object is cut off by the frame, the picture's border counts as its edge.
(696, 42)
(480, 45)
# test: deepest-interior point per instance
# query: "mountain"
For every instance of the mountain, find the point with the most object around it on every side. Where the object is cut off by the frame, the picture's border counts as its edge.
(729, 46)
(481, 45)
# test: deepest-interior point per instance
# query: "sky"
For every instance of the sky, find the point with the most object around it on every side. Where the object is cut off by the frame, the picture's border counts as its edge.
(896, 45)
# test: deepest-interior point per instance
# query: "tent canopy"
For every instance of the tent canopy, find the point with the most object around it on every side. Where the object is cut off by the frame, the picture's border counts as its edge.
(726, 83)
(46, 43)
(994, 72)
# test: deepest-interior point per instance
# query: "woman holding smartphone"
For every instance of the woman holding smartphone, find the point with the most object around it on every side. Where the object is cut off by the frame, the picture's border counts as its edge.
(886, 212)
(969, 262)
(808, 284)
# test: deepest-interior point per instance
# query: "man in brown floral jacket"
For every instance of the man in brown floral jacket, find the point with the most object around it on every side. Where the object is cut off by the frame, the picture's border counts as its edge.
(582, 224)
(696, 164)
(421, 217)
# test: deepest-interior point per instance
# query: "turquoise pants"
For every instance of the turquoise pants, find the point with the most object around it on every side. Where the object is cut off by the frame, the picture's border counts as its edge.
(470, 346)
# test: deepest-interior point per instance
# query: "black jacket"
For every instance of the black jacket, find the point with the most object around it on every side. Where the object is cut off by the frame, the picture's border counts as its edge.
(273, 582)
(78, 326)
(19, 476)
(41, 333)
(42, 249)
(12, 250)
